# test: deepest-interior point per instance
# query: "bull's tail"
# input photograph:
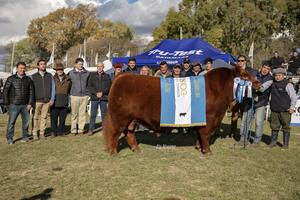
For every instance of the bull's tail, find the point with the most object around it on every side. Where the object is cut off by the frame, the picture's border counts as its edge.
(111, 134)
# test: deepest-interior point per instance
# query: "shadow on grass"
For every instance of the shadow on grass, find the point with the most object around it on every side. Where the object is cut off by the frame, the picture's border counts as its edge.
(44, 195)
(173, 139)
(183, 139)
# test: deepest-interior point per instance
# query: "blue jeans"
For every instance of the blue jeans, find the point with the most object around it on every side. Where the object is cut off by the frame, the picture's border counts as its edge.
(259, 123)
(94, 108)
(246, 124)
(14, 111)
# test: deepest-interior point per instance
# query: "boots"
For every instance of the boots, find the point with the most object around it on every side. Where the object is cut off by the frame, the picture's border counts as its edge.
(274, 137)
(286, 139)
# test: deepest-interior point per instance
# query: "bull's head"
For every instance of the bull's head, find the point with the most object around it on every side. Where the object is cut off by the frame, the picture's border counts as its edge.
(243, 74)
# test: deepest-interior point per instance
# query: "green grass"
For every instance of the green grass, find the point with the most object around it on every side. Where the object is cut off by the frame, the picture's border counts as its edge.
(76, 167)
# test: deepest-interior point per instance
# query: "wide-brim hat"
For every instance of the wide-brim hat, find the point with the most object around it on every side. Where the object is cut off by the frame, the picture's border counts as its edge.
(279, 71)
(59, 66)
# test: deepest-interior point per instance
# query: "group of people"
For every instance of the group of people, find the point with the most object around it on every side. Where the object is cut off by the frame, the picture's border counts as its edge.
(292, 65)
(43, 92)
(276, 91)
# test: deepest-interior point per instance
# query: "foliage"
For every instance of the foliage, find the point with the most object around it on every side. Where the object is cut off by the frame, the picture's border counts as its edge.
(232, 25)
(67, 27)
(23, 52)
(63, 27)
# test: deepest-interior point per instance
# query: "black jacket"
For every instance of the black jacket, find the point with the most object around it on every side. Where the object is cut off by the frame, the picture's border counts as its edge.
(192, 73)
(99, 83)
(42, 86)
(133, 71)
(18, 91)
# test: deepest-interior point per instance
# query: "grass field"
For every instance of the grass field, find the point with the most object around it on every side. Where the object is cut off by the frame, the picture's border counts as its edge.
(76, 167)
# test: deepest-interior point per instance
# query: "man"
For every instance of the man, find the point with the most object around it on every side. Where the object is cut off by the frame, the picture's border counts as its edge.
(132, 66)
(283, 101)
(44, 98)
(276, 61)
(79, 96)
(18, 98)
(294, 63)
(186, 67)
(246, 107)
(196, 70)
(163, 70)
(176, 71)
(208, 66)
(98, 85)
(261, 99)
(59, 110)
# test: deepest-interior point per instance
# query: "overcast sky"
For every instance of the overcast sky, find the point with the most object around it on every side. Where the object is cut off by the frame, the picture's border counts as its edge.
(143, 16)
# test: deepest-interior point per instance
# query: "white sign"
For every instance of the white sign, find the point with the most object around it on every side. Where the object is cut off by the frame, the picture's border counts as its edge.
(296, 115)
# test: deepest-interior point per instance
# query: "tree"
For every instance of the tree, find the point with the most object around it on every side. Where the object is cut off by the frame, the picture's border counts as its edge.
(232, 25)
(23, 52)
(64, 27)
(113, 31)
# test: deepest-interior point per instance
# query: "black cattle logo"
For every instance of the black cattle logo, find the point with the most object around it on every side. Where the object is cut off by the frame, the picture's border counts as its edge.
(182, 114)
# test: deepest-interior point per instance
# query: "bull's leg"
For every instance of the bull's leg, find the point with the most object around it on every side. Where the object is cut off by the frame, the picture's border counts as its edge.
(198, 142)
(205, 143)
(111, 135)
(130, 137)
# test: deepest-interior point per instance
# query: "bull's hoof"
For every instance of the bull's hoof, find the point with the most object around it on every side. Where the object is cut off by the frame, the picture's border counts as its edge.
(207, 153)
(112, 151)
(198, 147)
(136, 150)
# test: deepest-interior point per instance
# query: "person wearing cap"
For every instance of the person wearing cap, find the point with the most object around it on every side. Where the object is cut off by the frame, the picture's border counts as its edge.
(196, 70)
(44, 98)
(282, 105)
(185, 67)
(261, 100)
(163, 70)
(208, 66)
(79, 96)
(176, 72)
(99, 85)
(59, 110)
(132, 66)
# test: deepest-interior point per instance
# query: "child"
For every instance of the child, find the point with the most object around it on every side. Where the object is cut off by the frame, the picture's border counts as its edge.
(283, 101)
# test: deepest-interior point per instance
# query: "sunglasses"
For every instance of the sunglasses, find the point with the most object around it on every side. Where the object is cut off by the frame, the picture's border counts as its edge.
(241, 60)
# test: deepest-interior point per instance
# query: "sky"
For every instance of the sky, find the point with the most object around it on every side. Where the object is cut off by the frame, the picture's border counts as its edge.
(143, 16)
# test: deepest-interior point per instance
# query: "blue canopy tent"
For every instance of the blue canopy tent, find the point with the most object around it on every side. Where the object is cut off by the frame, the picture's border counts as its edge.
(174, 51)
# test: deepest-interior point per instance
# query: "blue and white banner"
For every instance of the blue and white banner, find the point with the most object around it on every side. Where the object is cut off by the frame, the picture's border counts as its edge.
(183, 102)
(295, 121)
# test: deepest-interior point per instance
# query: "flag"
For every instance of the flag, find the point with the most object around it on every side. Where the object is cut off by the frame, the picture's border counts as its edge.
(65, 60)
(51, 59)
(183, 102)
(132, 1)
(108, 53)
(250, 54)
(96, 59)
(128, 53)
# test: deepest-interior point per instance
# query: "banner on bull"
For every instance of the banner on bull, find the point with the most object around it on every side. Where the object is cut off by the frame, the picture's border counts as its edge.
(183, 102)
(296, 115)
